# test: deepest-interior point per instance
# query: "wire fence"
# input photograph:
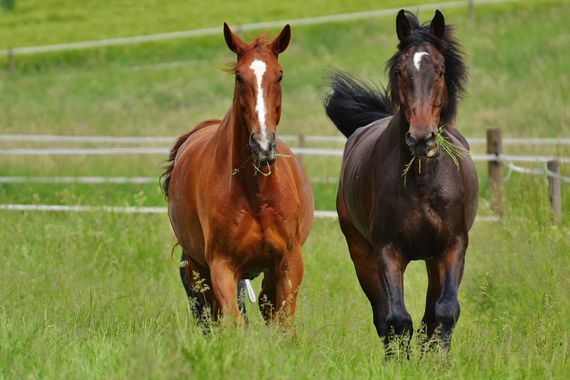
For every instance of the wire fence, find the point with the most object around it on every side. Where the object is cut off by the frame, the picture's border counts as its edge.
(34, 138)
(494, 157)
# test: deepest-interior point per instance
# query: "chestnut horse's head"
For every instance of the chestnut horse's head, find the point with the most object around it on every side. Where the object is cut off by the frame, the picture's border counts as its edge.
(427, 75)
(257, 93)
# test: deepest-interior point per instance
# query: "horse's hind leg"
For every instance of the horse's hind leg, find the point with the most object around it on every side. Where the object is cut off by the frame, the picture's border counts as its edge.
(241, 294)
(196, 282)
(267, 296)
(442, 307)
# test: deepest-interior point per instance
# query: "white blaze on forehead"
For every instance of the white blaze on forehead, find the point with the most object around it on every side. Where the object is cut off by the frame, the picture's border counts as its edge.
(418, 58)
(258, 68)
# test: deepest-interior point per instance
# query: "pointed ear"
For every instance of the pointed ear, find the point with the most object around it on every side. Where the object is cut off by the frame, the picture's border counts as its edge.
(437, 26)
(232, 40)
(403, 27)
(281, 42)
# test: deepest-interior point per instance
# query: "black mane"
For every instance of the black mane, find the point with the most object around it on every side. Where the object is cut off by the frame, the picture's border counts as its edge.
(455, 69)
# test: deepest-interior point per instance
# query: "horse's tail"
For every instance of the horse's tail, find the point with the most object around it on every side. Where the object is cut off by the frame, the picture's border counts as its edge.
(165, 176)
(354, 103)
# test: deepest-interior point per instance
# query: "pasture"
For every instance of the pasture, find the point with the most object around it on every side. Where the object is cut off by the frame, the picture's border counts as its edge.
(97, 295)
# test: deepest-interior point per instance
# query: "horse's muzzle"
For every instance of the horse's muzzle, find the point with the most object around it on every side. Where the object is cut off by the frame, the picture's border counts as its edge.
(263, 147)
(425, 147)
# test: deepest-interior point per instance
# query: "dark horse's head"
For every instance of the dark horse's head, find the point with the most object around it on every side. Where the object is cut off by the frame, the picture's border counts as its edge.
(427, 76)
(258, 88)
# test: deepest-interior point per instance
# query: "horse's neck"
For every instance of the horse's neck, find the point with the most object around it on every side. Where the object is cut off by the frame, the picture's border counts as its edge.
(232, 139)
(397, 135)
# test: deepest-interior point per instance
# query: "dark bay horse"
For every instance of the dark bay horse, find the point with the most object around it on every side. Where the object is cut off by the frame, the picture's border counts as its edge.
(390, 215)
(238, 200)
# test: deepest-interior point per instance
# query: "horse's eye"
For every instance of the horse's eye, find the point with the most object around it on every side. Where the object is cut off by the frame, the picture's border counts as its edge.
(280, 78)
(239, 78)
(399, 73)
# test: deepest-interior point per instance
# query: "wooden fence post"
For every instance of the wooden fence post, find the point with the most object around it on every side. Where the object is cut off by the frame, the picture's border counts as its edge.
(554, 189)
(495, 146)
(300, 144)
(470, 9)
(11, 63)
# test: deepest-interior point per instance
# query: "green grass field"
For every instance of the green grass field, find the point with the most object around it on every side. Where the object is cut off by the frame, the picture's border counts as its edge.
(97, 295)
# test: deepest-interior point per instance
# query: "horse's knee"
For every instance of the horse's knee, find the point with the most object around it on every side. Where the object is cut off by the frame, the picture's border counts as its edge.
(447, 314)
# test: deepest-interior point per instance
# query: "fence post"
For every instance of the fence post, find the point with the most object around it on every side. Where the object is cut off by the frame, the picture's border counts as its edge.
(300, 144)
(11, 63)
(470, 9)
(554, 189)
(495, 146)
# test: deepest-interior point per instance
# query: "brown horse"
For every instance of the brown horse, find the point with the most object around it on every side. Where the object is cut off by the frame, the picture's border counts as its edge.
(408, 189)
(239, 202)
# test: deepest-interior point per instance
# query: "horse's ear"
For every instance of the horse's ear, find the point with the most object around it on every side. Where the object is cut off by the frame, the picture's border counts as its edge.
(232, 40)
(281, 42)
(403, 27)
(437, 26)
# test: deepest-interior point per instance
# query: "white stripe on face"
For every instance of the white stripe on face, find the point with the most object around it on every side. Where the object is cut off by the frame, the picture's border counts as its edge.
(258, 68)
(418, 58)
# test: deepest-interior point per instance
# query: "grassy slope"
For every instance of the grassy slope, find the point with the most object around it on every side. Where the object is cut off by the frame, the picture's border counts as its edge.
(66, 21)
(519, 78)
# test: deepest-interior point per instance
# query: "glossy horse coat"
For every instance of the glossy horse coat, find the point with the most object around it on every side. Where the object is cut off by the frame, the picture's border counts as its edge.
(389, 218)
(239, 202)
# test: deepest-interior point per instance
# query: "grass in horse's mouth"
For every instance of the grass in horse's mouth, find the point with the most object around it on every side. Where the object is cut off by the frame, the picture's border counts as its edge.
(257, 165)
(455, 152)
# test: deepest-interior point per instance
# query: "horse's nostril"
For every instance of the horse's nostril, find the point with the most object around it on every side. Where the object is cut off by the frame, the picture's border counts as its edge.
(430, 140)
(410, 140)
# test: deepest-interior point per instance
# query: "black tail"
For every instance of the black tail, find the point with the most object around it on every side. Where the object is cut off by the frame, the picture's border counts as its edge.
(354, 103)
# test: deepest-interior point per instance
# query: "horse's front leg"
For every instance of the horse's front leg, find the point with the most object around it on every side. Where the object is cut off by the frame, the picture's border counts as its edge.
(224, 283)
(391, 267)
(442, 307)
(281, 287)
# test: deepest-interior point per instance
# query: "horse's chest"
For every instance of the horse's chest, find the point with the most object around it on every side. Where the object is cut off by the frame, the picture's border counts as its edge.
(420, 222)
(256, 233)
